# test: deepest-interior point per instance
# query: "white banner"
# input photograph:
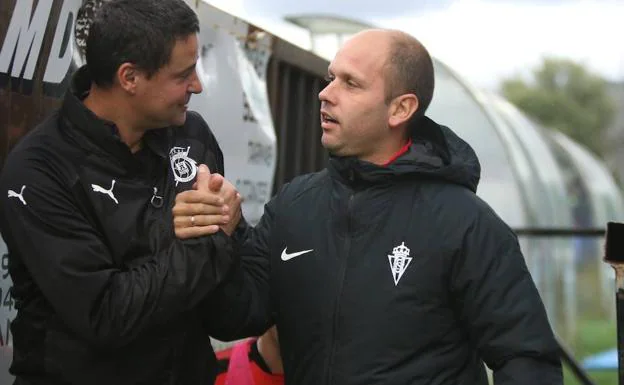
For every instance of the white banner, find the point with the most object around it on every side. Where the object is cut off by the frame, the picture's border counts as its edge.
(232, 68)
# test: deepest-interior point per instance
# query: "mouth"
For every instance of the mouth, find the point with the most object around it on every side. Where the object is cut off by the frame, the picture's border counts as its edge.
(185, 105)
(327, 119)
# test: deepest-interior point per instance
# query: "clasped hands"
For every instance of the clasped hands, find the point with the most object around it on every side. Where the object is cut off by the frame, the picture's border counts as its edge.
(212, 204)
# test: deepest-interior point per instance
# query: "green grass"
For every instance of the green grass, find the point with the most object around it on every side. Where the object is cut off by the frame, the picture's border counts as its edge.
(596, 329)
(594, 336)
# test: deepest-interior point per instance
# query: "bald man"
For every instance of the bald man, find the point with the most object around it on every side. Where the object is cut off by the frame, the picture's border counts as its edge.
(385, 267)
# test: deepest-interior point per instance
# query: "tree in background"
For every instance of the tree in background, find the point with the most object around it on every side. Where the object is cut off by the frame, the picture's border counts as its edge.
(564, 95)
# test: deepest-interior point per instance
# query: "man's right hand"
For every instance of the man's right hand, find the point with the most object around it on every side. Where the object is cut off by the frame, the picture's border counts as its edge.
(200, 211)
(213, 203)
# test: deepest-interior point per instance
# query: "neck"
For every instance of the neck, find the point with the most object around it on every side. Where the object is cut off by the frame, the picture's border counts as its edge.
(106, 105)
(269, 349)
(386, 153)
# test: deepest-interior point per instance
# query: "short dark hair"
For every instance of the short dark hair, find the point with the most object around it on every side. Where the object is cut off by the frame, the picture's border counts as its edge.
(409, 69)
(142, 32)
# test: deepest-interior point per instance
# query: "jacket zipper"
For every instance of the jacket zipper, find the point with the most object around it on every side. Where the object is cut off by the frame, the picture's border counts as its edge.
(343, 271)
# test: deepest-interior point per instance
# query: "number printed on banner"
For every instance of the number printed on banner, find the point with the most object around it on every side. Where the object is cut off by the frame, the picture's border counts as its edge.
(6, 290)
(6, 302)
(7, 298)
(5, 266)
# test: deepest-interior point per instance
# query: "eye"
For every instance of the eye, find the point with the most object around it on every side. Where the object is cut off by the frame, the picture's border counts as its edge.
(351, 83)
(329, 78)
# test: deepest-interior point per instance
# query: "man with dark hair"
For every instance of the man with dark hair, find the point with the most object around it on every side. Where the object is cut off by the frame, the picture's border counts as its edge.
(386, 267)
(105, 294)
(132, 43)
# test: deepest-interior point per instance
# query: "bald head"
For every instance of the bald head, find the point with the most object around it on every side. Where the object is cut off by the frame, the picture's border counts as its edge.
(408, 67)
(378, 82)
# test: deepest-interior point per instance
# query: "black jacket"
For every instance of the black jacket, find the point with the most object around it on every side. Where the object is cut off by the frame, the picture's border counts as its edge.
(105, 293)
(393, 275)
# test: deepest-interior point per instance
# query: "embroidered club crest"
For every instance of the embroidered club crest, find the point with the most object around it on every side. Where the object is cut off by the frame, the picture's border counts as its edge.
(184, 168)
(399, 261)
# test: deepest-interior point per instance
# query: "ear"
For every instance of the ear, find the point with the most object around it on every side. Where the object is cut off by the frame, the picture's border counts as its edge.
(402, 108)
(128, 77)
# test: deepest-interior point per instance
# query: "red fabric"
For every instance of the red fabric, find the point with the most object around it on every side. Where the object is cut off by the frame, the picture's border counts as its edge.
(402, 151)
(243, 372)
(239, 370)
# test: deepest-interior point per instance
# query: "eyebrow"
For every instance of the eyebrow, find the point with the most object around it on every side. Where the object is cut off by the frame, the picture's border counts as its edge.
(188, 69)
(352, 75)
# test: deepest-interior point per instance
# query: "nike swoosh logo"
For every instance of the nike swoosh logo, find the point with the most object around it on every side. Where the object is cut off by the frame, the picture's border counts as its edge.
(286, 256)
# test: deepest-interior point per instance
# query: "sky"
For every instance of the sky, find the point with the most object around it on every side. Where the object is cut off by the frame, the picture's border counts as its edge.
(485, 41)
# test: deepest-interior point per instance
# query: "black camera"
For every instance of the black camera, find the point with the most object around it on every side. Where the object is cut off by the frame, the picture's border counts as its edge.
(614, 248)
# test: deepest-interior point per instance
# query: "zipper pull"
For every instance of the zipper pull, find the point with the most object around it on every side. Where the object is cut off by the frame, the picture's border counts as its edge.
(157, 200)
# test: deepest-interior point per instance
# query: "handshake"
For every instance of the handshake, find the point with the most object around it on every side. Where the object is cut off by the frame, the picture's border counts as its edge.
(211, 205)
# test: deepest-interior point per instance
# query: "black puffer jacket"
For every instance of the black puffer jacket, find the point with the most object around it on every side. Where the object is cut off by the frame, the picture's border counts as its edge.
(104, 292)
(393, 276)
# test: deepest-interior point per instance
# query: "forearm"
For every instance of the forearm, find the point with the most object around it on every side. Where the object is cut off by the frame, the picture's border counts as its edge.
(539, 370)
(237, 309)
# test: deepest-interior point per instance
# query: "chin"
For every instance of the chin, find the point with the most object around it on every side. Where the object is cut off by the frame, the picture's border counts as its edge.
(327, 142)
(179, 120)
(332, 148)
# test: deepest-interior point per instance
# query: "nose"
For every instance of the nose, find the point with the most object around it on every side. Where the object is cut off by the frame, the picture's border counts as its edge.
(195, 86)
(327, 94)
